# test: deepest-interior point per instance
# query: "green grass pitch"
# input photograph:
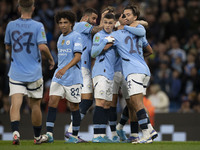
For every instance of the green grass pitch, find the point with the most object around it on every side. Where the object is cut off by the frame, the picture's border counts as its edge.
(61, 145)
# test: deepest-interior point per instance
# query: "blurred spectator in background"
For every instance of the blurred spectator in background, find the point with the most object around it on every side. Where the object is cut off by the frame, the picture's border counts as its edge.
(159, 99)
(175, 87)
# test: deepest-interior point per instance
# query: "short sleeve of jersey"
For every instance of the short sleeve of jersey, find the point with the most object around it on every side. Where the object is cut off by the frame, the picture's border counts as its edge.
(144, 42)
(96, 39)
(84, 27)
(41, 35)
(78, 46)
(7, 39)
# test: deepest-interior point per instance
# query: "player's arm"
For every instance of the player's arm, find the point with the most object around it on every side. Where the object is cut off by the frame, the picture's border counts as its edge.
(100, 26)
(99, 47)
(96, 29)
(45, 50)
(142, 22)
(147, 51)
(74, 61)
(9, 49)
(139, 31)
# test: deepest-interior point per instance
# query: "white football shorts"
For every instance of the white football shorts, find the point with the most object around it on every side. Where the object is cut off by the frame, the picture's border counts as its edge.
(103, 88)
(71, 93)
(119, 81)
(32, 89)
(87, 81)
(137, 83)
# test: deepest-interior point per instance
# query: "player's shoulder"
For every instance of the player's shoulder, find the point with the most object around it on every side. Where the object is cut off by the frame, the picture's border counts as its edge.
(12, 22)
(83, 24)
(75, 35)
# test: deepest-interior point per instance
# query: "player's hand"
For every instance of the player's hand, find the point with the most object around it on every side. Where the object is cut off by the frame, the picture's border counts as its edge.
(122, 20)
(104, 13)
(117, 24)
(60, 73)
(110, 39)
(84, 18)
(52, 64)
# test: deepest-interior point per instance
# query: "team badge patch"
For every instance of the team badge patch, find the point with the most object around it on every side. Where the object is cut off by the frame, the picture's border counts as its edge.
(63, 41)
(97, 39)
(43, 35)
(68, 42)
(87, 25)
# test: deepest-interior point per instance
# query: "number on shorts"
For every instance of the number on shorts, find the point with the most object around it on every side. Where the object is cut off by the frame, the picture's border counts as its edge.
(75, 92)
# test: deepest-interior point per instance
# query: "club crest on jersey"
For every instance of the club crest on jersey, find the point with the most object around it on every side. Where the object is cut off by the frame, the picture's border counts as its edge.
(87, 25)
(63, 41)
(97, 39)
(68, 42)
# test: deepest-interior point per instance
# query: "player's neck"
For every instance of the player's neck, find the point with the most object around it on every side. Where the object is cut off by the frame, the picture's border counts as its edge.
(26, 16)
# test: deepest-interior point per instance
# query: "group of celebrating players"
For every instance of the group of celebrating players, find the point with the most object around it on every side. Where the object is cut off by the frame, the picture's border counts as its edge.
(99, 59)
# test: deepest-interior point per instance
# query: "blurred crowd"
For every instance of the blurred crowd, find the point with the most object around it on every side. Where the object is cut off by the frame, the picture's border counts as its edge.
(173, 32)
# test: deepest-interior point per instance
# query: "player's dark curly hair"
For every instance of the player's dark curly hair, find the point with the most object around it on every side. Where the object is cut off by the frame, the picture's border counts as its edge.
(69, 15)
(134, 9)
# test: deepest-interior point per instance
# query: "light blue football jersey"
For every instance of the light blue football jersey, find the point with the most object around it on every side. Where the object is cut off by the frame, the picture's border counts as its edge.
(67, 46)
(139, 30)
(24, 36)
(118, 63)
(130, 48)
(85, 29)
(104, 63)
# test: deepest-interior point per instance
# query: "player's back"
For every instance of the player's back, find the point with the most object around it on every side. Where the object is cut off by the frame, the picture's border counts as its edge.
(130, 48)
(85, 29)
(24, 36)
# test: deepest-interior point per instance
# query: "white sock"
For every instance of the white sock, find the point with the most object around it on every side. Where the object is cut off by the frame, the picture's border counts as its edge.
(70, 128)
(134, 135)
(119, 126)
(97, 135)
(114, 133)
(17, 133)
(150, 127)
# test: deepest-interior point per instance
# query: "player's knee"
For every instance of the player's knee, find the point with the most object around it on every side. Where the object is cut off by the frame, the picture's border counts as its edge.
(74, 106)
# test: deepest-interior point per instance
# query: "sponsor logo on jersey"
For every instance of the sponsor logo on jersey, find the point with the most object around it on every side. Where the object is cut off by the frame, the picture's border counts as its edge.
(97, 39)
(78, 44)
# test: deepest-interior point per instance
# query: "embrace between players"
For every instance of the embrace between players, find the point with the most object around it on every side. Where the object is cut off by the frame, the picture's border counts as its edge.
(112, 60)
